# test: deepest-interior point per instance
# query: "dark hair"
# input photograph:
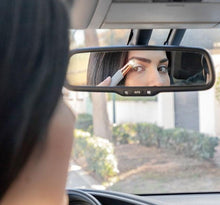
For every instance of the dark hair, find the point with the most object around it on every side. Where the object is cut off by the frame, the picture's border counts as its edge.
(104, 64)
(169, 57)
(34, 56)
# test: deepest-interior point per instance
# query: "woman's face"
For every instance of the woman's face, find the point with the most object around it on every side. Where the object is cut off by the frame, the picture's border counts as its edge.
(152, 69)
(43, 179)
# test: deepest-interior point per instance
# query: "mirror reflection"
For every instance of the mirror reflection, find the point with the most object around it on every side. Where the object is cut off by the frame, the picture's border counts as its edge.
(138, 68)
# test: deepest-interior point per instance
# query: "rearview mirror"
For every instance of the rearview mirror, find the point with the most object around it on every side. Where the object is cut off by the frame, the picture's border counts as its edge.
(140, 70)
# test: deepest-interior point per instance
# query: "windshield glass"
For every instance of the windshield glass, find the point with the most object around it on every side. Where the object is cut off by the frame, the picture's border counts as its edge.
(168, 143)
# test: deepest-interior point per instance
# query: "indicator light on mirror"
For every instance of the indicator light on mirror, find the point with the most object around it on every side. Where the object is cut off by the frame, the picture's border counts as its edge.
(126, 92)
(137, 92)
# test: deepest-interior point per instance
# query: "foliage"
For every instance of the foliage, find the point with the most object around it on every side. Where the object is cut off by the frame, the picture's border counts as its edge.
(217, 88)
(149, 134)
(124, 133)
(181, 141)
(84, 121)
(133, 99)
(98, 152)
(191, 143)
(90, 129)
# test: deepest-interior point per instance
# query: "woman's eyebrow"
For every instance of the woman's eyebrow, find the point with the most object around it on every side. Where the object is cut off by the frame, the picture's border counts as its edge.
(140, 59)
(146, 60)
(163, 60)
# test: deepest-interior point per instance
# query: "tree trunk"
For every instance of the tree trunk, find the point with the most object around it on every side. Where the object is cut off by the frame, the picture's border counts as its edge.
(101, 125)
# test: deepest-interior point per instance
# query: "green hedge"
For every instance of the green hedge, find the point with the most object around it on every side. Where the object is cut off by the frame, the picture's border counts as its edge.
(124, 134)
(136, 98)
(190, 143)
(217, 87)
(98, 152)
(182, 141)
(149, 134)
(84, 121)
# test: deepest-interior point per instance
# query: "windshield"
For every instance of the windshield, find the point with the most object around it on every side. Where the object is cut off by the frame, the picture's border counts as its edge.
(168, 143)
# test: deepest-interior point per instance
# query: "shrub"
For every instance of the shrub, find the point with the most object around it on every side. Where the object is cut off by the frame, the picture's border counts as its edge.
(208, 147)
(90, 129)
(217, 87)
(189, 143)
(80, 143)
(124, 133)
(178, 141)
(84, 121)
(149, 134)
(181, 141)
(98, 152)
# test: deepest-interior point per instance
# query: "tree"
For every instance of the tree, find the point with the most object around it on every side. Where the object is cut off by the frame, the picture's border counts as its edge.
(101, 125)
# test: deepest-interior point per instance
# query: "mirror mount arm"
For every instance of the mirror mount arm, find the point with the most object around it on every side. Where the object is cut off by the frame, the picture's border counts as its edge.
(130, 37)
(177, 37)
(168, 37)
(139, 37)
(143, 36)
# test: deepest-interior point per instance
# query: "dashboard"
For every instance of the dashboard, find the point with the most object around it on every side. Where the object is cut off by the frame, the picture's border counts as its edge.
(95, 197)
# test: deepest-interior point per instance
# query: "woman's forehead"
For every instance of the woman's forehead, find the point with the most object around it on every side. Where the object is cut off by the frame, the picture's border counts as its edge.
(147, 54)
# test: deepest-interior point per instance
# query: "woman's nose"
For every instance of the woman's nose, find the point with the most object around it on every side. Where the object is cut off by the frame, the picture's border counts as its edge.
(154, 78)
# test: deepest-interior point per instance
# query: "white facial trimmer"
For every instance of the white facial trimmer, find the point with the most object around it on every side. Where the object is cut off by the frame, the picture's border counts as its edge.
(120, 74)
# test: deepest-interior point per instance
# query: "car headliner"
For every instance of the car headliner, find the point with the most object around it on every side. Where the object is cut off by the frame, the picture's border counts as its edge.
(143, 14)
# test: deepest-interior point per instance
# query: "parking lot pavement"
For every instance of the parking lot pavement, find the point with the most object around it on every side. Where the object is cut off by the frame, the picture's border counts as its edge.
(80, 179)
(217, 156)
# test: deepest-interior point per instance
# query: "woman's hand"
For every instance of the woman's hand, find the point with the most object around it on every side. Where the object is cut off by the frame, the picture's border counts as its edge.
(106, 82)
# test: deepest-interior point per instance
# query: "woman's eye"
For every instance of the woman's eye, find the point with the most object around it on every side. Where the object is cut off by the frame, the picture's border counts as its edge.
(138, 68)
(162, 69)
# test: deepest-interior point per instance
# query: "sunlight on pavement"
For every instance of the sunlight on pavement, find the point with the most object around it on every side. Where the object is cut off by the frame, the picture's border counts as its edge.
(79, 178)
(74, 167)
(98, 187)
